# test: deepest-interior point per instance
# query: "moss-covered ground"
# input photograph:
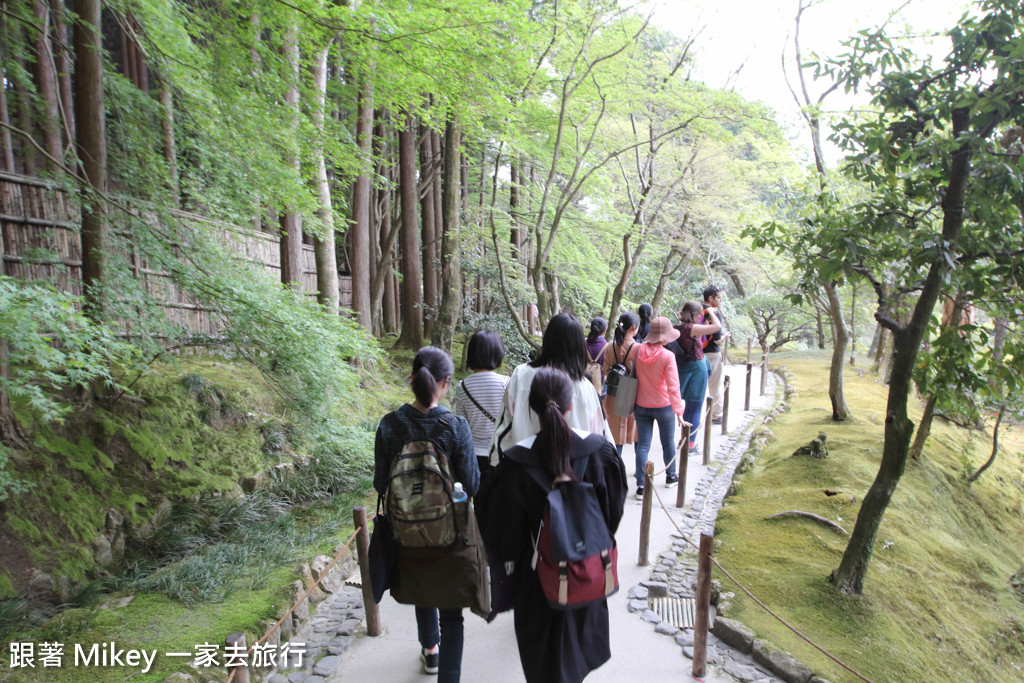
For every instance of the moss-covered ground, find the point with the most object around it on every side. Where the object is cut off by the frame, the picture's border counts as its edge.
(937, 603)
(222, 559)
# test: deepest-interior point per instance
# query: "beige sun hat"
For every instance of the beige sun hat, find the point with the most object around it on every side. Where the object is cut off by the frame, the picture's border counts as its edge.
(662, 331)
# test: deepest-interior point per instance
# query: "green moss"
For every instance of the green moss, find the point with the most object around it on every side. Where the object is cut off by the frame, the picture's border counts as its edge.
(943, 551)
(6, 587)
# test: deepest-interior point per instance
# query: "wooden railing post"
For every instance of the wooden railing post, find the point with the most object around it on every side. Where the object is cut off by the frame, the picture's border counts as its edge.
(746, 399)
(645, 514)
(703, 607)
(363, 554)
(234, 645)
(684, 461)
(725, 404)
(707, 431)
(750, 345)
(764, 372)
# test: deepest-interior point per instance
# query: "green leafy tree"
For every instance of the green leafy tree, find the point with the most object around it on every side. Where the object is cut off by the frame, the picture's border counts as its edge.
(943, 211)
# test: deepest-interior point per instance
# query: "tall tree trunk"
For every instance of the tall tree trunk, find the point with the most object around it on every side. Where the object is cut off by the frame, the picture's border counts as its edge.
(5, 118)
(430, 228)
(820, 323)
(451, 262)
(952, 317)
(46, 85)
(359, 244)
(324, 245)
(849, 576)
(514, 202)
(995, 446)
(841, 338)
(170, 145)
(668, 270)
(58, 14)
(92, 150)
(412, 277)
(853, 324)
(291, 221)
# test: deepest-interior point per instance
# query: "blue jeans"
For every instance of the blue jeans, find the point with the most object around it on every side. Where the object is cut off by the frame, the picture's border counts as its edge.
(448, 633)
(693, 384)
(645, 418)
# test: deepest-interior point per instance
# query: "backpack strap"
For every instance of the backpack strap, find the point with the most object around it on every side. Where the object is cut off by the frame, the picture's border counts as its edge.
(477, 403)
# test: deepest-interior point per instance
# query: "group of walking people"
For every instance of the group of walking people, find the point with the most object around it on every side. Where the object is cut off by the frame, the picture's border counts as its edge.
(548, 417)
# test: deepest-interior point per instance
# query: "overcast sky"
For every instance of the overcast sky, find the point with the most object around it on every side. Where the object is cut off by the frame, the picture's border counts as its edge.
(750, 35)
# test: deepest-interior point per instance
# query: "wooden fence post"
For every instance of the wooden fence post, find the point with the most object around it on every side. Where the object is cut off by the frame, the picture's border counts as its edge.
(645, 514)
(684, 461)
(725, 404)
(750, 345)
(707, 431)
(764, 372)
(703, 615)
(746, 399)
(363, 554)
(234, 645)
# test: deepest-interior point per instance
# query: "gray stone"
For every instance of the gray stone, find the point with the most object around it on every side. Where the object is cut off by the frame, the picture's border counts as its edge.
(658, 577)
(102, 553)
(331, 581)
(277, 678)
(315, 679)
(685, 638)
(340, 644)
(298, 677)
(781, 663)
(667, 556)
(301, 613)
(688, 651)
(666, 628)
(179, 678)
(638, 592)
(733, 634)
(326, 665)
(650, 616)
(741, 672)
(656, 589)
(713, 656)
(636, 605)
(348, 627)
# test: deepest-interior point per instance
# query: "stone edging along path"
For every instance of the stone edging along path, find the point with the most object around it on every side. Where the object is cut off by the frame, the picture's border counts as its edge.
(732, 647)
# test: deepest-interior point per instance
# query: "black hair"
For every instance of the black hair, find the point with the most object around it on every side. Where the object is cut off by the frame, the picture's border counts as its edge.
(563, 347)
(551, 398)
(710, 291)
(626, 321)
(645, 311)
(598, 326)
(485, 351)
(430, 367)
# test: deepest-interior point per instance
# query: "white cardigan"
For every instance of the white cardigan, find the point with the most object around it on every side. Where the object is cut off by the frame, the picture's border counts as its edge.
(587, 414)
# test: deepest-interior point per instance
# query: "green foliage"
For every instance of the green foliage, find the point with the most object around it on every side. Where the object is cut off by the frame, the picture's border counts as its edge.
(51, 346)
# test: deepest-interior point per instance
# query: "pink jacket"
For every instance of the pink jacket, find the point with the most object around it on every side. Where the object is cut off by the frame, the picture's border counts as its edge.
(658, 381)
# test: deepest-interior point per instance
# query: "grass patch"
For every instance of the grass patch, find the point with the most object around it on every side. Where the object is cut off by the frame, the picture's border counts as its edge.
(938, 603)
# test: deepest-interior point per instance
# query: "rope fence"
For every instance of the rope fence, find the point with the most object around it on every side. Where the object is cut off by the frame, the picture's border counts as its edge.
(747, 592)
(240, 673)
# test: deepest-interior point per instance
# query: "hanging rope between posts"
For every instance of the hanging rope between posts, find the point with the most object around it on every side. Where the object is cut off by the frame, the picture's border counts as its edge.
(298, 602)
(758, 602)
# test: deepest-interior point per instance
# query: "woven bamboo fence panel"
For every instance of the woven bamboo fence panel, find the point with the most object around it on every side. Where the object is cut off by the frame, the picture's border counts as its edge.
(39, 225)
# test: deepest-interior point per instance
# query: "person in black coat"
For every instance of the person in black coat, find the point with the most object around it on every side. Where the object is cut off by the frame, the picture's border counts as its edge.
(555, 646)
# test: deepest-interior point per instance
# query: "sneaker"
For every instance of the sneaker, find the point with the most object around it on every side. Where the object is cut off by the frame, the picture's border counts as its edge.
(640, 493)
(716, 421)
(671, 480)
(693, 445)
(431, 660)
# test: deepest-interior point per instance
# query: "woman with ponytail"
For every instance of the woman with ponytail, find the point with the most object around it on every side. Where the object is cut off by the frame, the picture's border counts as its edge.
(440, 631)
(562, 348)
(555, 646)
(644, 312)
(622, 351)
